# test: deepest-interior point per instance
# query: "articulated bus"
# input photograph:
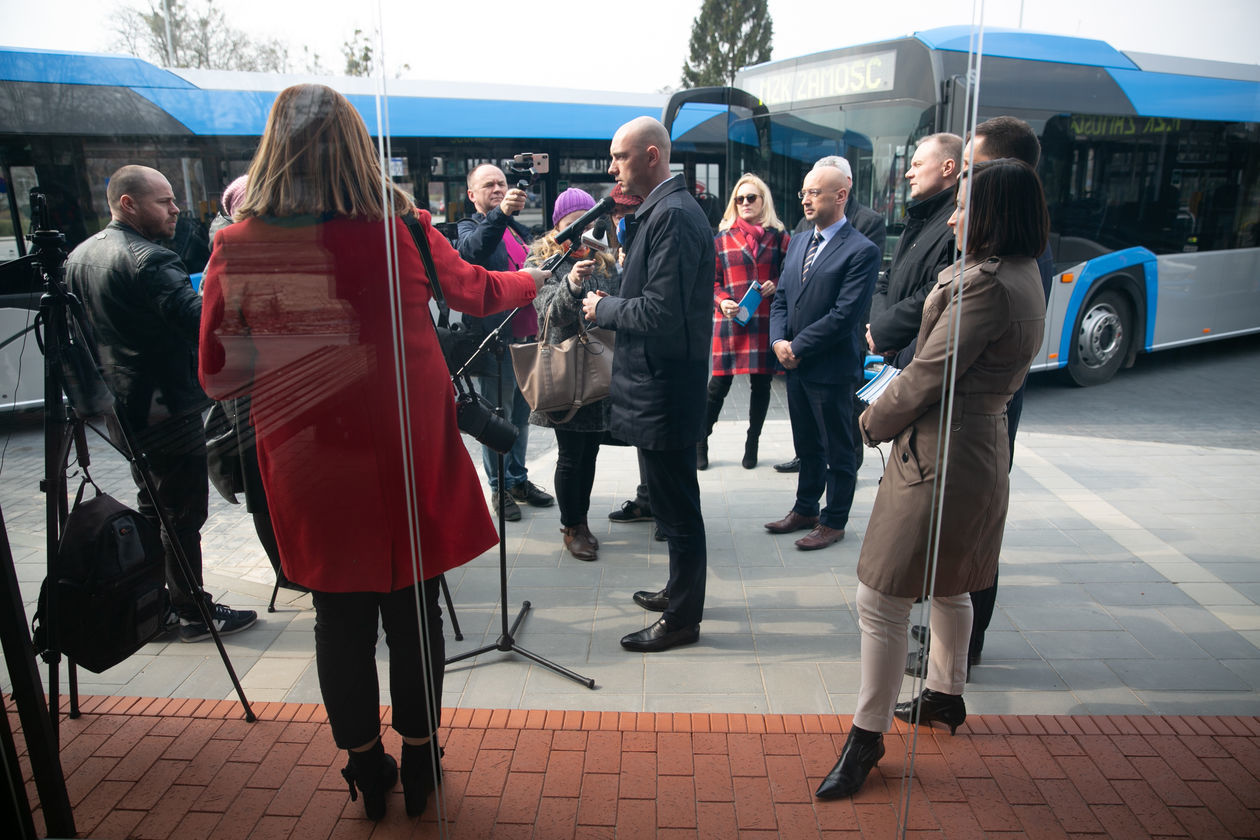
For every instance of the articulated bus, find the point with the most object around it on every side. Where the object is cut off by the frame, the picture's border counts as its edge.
(69, 120)
(1151, 166)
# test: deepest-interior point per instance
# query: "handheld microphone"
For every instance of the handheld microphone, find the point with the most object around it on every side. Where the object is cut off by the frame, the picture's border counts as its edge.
(574, 230)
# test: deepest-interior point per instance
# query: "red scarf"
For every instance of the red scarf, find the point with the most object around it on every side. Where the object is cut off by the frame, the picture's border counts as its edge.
(753, 235)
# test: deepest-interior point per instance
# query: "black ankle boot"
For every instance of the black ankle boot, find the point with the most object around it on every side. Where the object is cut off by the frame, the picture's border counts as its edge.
(861, 753)
(374, 772)
(421, 774)
(702, 454)
(750, 451)
(931, 705)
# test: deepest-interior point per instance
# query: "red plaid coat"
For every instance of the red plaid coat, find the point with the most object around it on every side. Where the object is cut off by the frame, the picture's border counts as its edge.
(744, 349)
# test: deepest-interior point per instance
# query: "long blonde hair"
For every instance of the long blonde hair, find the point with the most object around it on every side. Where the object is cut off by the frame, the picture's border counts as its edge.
(769, 218)
(316, 157)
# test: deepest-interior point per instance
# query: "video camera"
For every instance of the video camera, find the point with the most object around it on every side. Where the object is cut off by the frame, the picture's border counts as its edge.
(526, 168)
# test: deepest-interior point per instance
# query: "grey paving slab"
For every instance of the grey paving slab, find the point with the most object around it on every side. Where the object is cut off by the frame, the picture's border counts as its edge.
(1130, 577)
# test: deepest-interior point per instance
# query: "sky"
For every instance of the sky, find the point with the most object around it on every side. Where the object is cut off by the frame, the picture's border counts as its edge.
(599, 46)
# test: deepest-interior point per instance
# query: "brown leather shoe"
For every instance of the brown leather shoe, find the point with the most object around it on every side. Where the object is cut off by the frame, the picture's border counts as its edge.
(792, 522)
(577, 543)
(586, 532)
(820, 537)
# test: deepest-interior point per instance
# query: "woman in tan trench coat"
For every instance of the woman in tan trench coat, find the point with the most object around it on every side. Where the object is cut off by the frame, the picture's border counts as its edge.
(1002, 308)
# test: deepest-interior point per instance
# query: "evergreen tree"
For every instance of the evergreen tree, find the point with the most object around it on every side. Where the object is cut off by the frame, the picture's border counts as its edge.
(725, 36)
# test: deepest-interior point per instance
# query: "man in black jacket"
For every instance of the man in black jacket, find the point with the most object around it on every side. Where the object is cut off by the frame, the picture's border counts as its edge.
(664, 323)
(493, 239)
(924, 249)
(146, 316)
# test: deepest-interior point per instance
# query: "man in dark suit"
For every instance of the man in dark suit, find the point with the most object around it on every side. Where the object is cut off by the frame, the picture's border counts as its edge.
(816, 323)
(871, 225)
(664, 320)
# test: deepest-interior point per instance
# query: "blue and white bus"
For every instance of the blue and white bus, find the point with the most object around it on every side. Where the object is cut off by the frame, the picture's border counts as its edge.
(1151, 166)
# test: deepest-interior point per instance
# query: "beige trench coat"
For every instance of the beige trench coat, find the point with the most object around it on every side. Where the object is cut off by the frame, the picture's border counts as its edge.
(1003, 313)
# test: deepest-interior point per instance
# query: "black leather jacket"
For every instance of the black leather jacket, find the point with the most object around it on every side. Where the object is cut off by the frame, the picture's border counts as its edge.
(146, 316)
(925, 248)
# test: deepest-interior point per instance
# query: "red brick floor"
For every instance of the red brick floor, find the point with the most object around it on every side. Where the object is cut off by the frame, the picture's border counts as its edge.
(191, 769)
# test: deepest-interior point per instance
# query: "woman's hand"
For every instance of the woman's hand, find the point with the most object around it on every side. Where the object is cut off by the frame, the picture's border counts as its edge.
(768, 287)
(581, 271)
(537, 275)
(728, 307)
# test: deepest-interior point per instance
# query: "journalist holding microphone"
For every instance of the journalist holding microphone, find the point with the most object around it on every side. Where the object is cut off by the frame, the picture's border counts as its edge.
(309, 312)
(559, 305)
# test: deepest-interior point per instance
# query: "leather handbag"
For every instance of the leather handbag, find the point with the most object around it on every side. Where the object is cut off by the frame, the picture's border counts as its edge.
(564, 377)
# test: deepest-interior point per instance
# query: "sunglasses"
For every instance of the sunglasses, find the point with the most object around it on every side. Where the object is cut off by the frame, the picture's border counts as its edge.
(747, 199)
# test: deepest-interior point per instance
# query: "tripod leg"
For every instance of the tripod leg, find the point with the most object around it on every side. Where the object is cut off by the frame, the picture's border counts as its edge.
(450, 608)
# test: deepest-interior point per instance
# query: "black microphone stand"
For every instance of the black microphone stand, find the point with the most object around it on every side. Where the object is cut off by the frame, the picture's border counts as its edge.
(507, 637)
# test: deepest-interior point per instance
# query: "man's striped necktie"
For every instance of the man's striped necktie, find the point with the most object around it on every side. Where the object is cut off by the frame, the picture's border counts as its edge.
(814, 242)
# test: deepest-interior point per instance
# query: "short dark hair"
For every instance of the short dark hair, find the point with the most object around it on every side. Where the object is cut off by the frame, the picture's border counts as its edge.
(1006, 210)
(1009, 137)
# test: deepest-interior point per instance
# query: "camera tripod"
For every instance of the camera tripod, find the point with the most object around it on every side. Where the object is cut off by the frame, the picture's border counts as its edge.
(506, 642)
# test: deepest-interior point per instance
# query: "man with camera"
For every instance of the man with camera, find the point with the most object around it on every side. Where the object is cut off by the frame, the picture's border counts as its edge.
(146, 315)
(493, 239)
(664, 322)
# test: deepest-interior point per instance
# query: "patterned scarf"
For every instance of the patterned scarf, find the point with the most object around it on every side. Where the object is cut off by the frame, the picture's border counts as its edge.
(754, 235)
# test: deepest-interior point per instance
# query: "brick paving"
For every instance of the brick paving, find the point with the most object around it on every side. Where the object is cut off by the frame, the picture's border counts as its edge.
(188, 768)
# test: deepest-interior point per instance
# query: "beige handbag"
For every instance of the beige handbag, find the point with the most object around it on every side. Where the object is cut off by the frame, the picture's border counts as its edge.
(565, 376)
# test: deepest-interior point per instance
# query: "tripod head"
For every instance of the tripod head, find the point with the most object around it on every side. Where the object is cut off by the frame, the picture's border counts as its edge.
(48, 245)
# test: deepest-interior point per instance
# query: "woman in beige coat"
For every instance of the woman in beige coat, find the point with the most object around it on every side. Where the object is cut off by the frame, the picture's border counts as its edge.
(978, 337)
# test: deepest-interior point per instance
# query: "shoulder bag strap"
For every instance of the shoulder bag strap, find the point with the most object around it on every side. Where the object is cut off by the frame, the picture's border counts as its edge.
(426, 256)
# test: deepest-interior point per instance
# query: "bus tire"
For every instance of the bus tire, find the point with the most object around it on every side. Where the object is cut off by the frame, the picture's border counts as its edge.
(1101, 339)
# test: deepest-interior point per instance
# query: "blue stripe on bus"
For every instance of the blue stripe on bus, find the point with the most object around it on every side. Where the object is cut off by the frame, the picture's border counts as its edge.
(1189, 97)
(51, 67)
(244, 113)
(1096, 269)
(1035, 46)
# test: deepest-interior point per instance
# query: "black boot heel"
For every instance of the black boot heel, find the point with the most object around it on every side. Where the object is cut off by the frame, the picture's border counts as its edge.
(374, 772)
(931, 706)
(421, 775)
(750, 452)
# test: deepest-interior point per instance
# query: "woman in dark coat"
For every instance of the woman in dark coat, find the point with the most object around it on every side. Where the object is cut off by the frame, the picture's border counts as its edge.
(317, 305)
(750, 246)
(559, 305)
(995, 294)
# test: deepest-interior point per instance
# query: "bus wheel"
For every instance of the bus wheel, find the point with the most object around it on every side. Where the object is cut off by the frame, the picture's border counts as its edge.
(1102, 337)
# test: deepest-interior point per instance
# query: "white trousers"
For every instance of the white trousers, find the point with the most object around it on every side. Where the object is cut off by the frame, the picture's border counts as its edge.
(884, 621)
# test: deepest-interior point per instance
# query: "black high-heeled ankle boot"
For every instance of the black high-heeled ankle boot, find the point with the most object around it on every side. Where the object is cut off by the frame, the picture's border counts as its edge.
(421, 774)
(374, 772)
(931, 705)
(750, 451)
(862, 751)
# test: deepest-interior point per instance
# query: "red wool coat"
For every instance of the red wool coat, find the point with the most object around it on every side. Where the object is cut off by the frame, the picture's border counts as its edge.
(361, 458)
(744, 349)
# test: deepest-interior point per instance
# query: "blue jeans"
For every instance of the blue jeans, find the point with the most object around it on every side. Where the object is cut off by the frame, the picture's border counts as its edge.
(502, 391)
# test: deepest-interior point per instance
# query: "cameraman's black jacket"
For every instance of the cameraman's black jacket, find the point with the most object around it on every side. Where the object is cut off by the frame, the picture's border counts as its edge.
(481, 243)
(146, 316)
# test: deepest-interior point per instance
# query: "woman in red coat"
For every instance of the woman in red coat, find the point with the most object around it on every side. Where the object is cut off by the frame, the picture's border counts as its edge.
(750, 246)
(316, 303)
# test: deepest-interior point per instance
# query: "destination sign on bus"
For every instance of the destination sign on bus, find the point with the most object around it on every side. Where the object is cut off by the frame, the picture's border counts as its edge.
(848, 76)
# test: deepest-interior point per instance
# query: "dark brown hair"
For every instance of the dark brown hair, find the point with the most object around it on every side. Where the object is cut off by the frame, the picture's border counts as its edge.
(1006, 210)
(1009, 137)
(316, 157)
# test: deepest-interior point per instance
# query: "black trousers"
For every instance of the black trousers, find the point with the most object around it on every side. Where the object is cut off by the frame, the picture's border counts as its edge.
(758, 401)
(345, 658)
(176, 455)
(576, 453)
(822, 431)
(675, 495)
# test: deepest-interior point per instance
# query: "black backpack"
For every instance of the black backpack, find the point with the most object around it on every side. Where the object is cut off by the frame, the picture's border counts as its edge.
(111, 584)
